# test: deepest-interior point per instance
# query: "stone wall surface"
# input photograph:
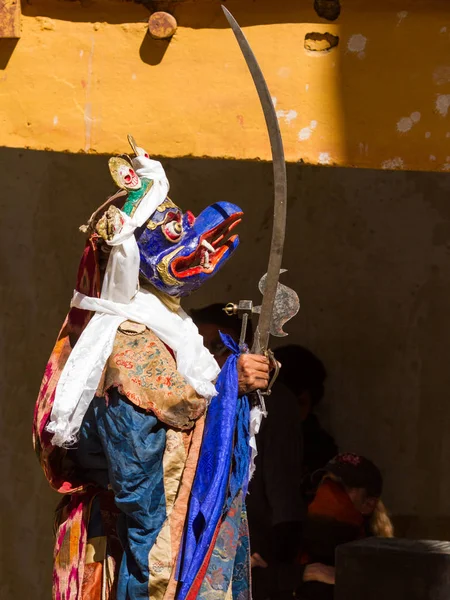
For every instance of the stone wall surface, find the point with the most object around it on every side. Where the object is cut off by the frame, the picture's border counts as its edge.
(366, 250)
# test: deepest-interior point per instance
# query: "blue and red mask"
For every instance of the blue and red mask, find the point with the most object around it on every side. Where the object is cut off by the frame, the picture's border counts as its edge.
(178, 251)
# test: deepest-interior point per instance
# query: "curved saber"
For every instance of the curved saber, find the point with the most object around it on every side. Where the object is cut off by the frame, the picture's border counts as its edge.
(280, 188)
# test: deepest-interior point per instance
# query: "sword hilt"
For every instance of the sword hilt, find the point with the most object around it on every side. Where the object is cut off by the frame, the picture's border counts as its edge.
(276, 367)
(244, 310)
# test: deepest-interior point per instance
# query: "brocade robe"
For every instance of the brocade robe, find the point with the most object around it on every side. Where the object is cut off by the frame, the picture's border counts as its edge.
(136, 456)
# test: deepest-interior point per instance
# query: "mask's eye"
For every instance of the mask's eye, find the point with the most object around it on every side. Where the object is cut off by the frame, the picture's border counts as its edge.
(172, 228)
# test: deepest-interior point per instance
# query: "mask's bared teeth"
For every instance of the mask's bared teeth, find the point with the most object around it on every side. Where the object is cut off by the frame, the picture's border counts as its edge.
(207, 264)
(202, 256)
(208, 246)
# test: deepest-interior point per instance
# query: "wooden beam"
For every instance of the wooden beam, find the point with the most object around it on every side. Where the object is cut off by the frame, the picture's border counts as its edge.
(10, 19)
(162, 25)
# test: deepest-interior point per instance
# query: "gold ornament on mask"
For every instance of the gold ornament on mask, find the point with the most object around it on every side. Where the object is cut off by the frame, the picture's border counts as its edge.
(123, 174)
(163, 268)
(152, 225)
(110, 223)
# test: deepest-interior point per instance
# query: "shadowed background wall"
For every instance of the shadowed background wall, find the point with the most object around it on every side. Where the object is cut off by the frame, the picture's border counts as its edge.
(367, 252)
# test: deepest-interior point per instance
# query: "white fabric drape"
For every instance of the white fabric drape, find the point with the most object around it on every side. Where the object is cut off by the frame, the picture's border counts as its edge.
(120, 301)
(257, 414)
(83, 370)
(122, 273)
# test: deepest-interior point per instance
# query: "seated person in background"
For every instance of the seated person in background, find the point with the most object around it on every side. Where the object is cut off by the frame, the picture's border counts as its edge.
(274, 503)
(304, 374)
(346, 507)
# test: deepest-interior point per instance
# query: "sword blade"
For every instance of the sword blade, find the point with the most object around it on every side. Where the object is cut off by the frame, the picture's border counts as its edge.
(280, 188)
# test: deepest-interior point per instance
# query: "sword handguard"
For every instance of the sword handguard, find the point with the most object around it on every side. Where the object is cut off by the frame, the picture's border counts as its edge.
(276, 366)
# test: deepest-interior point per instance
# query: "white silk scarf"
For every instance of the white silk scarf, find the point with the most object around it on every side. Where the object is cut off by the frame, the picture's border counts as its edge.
(121, 301)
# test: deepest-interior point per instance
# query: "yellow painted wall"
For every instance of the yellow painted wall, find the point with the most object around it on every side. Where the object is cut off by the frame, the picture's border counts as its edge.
(84, 74)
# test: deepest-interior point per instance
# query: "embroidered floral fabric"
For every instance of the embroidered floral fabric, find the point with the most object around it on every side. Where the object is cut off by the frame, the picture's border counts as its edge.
(212, 532)
(228, 574)
(144, 370)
